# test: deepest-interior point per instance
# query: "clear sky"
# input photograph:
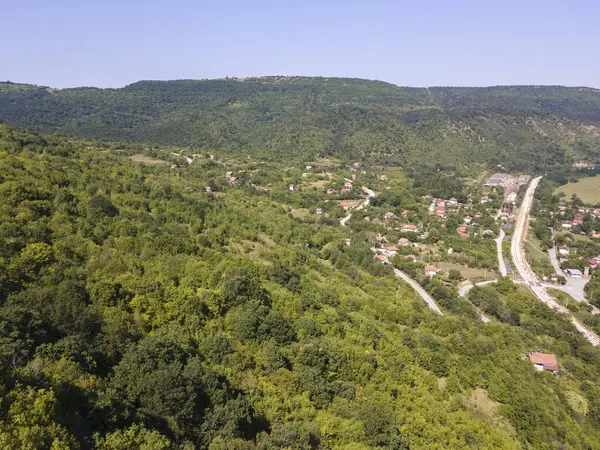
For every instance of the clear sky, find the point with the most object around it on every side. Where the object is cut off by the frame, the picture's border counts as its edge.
(111, 43)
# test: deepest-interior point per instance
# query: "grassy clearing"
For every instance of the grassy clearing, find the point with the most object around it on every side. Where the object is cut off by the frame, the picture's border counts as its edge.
(300, 213)
(318, 184)
(539, 259)
(394, 174)
(469, 273)
(587, 189)
(147, 160)
(562, 297)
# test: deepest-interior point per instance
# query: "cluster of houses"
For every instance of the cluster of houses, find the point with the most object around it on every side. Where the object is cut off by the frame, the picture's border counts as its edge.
(347, 187)
(439, 205)
(510, 183)
(564, 250)
(584, 165)
(595, 213)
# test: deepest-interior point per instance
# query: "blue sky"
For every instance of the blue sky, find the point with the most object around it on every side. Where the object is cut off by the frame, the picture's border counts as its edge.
(109, 43)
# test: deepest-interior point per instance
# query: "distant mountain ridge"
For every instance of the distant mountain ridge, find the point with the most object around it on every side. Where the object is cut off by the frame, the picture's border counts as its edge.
(523, 127)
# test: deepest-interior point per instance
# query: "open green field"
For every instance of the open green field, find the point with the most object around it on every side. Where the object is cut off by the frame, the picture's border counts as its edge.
(469, 273)
(539, 259)
(587, 189)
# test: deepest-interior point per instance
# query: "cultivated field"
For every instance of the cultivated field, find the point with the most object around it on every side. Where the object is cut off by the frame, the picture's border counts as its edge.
(587, 189)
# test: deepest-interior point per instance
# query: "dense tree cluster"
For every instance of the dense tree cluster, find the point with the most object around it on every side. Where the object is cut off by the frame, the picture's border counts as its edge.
(525, 128)
(138, 310)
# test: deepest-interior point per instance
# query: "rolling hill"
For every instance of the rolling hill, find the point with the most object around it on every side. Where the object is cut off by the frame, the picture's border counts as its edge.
(534, 128)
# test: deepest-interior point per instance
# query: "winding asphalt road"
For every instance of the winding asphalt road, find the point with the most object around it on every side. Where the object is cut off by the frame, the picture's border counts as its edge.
(422, 292)
(370, 195)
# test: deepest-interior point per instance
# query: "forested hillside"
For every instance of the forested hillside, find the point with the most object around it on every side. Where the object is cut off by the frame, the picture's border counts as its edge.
(139, 309)
(520, 127)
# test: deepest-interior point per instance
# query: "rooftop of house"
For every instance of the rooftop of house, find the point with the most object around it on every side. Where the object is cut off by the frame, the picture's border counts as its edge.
(543, 358)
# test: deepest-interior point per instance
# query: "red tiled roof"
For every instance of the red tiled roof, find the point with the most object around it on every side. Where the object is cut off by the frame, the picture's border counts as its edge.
(543, 358)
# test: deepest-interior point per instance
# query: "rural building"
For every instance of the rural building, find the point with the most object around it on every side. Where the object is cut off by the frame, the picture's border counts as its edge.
(563, 250)
(389, 215)
(523, 179)
(320, 211)
(403, 242)
(511, 198)
(349, 204)
(543, 361)
(574, 273)
(496, 179)
(293, 187)
(453, 201)
(207, 189)
(348, 185)
(593, 262)
(463, 232)
(485, 199)
(467, 219)
(382, 258)
(595, 234)
(566, 224)
(390, 251)
(410, 228)
(430, 271)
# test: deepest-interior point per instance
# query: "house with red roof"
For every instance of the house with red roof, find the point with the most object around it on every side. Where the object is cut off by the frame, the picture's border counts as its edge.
(430, 271)
(543, 361)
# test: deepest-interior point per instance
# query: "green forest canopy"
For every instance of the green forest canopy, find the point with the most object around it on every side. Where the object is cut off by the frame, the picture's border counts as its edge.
(530, 128)
(139, 311)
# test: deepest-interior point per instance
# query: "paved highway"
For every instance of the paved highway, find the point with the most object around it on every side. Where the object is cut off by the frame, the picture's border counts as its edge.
(524, 269)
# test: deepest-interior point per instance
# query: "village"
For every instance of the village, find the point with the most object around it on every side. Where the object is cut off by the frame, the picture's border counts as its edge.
(450, 235)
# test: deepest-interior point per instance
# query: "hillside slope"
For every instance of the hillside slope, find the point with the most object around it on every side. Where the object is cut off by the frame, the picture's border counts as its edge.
(138, 310)
(521, 127)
